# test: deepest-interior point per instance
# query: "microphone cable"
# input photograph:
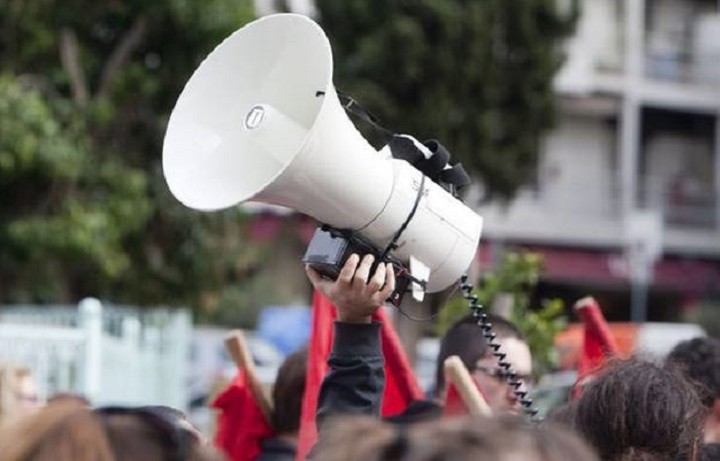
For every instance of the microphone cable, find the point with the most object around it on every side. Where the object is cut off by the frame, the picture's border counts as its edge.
(510, 375)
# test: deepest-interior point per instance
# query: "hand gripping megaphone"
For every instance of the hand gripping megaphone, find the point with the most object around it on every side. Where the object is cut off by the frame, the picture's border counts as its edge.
(260, 120)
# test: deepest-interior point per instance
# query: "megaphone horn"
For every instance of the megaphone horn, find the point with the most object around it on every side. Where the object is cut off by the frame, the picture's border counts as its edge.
(260, 120)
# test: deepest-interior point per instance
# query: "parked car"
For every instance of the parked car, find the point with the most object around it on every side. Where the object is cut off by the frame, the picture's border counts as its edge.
(210, 361)
(426, 353)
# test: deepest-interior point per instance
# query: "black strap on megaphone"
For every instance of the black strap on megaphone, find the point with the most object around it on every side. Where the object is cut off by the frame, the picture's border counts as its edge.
(431, 158)
(433, 163)
(353, 107)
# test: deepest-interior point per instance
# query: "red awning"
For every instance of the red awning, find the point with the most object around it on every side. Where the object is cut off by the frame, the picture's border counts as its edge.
(687, 275)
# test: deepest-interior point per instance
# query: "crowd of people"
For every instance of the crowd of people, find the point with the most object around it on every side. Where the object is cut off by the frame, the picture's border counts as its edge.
(631, 409)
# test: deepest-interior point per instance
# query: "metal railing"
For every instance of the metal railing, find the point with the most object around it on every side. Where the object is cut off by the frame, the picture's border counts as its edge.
(109, 354)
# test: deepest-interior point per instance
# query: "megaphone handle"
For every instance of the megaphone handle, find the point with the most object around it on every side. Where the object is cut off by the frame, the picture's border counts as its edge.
(329, 249)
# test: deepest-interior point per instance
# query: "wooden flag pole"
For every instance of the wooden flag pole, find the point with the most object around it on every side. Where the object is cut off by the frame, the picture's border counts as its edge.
(239, 351)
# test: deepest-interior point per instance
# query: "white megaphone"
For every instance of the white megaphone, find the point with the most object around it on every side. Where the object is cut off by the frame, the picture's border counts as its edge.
(260, 120)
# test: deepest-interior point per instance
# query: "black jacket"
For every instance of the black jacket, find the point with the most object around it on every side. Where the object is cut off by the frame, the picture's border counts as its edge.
(276, 450)
(356, 379)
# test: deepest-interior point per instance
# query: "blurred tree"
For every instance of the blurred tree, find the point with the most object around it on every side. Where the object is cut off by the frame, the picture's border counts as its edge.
(707, 315)
(59, 208)
(506, 290)
(476, 75)
(85, 91)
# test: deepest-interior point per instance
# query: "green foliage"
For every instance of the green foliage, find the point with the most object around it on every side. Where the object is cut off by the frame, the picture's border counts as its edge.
(85, 91)
(707, 315)
(514, 280)
(477, 75)
(86, 88)
(59, 206)
(32, 137)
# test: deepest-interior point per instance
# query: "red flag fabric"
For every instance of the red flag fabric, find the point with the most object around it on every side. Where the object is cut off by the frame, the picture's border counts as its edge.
(320, 345)
(458, 377)
(598, 341)
(241, 424)
(401, 385)
(454, 404)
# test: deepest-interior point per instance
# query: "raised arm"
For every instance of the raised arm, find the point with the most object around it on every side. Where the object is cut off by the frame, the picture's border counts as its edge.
(356, 379)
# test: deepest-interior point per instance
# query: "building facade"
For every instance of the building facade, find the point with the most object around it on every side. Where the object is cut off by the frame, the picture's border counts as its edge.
(628, 187)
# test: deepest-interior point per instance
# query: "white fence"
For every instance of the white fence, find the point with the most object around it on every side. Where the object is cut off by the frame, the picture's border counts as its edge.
(110, 354)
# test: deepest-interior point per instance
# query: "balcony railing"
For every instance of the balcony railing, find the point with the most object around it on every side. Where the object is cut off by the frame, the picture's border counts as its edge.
(681, 40)
(683, 45)
(682, 67)
(686, 204)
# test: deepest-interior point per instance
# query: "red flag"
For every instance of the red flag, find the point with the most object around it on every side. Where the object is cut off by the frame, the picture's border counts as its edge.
(454, 403)
(241, 424)
(401, 385)
(463, 395)
(598, 342)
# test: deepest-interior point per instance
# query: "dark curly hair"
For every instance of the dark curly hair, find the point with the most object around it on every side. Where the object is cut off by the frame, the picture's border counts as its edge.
(640, 411)
(699, 358)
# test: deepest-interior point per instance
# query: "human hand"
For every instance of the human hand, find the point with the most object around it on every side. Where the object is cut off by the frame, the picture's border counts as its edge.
(355, 297)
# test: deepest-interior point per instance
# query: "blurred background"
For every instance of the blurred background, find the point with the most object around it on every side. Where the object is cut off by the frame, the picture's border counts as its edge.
(591, 128)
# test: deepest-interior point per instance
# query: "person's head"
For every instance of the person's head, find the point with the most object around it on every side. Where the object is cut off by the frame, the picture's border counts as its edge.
(503, 438)
(18, 393)
(69, 431)
(639, 410)
(67, 396)
(288, 393)
(456, 439)
(465, 339)
(176, 418)
(699, 359)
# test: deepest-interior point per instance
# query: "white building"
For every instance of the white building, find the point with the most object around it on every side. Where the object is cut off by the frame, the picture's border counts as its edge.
(633, 163)
(638, 135)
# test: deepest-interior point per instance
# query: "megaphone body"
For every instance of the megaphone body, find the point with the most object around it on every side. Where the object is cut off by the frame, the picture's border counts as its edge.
(260, 120)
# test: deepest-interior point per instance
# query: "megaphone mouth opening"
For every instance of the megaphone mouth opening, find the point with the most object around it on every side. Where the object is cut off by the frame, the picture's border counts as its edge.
(264, 77)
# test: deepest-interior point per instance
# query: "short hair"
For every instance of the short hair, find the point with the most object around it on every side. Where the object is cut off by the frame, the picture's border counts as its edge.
(639, 410)
(699, 359)
(67, 430)
(503, 437)
(288, 393)
(66, 396)
(454, 439)
(465, 339)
